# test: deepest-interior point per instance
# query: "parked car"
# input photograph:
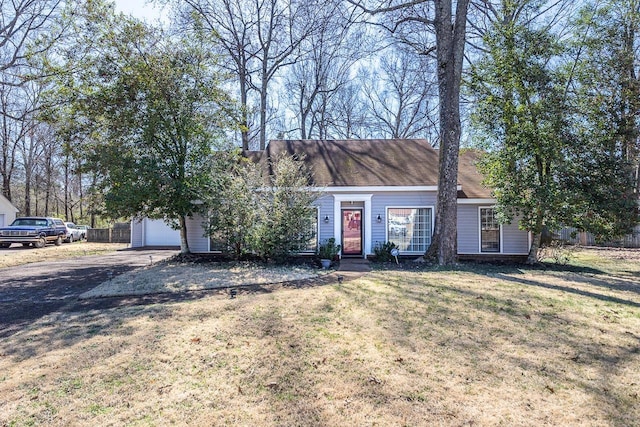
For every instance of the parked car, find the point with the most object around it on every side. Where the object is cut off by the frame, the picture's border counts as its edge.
(83, 229)
(36, 231)
(73, 233)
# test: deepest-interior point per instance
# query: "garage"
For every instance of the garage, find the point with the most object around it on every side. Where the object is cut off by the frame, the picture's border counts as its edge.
(7, 211)
(158, 233)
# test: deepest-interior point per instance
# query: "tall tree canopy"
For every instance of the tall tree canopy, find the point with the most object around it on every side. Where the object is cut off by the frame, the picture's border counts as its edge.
(157, 116)
(606, 171)
(521, 119)
(258, 39)
(549, 163)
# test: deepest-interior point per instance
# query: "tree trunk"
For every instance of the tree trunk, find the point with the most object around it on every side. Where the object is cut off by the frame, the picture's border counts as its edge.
(532, 259)
(450, 40)
(263, 109)
(66, 188)
(27, 191)
(36, 193)
(184, 243)
(6, 187)
(81, 194)
(244, 114)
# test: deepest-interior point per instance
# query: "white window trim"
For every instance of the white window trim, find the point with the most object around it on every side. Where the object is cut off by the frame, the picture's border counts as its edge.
(314, 251)
(376, 189)
(386, 225)
(480, 251)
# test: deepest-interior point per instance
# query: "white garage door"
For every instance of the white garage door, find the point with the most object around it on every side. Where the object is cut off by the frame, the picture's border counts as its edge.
(158, 233)
(1, 220)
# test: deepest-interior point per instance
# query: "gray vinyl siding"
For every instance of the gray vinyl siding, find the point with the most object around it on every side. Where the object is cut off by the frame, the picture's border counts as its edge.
(468, 229)
(325, 204)
(516, 241)
(381, 201)
(136, 233)
(197, 242)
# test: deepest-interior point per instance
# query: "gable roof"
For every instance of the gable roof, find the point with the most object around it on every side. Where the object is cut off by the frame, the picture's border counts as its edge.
(6, 204)
(470, 178)
(373, 163)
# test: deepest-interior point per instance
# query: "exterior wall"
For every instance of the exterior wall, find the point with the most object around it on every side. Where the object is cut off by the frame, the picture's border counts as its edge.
(376, 203)
(195, 234)
(513, 241)
(7, 210)
(468, 229)
(325, 205)
(137, 231)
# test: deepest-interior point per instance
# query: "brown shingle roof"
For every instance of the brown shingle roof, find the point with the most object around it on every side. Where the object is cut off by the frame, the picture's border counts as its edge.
(374, 162)
(470, 178)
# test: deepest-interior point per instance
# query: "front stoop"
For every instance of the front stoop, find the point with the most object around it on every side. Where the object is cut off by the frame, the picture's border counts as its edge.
(354, 265)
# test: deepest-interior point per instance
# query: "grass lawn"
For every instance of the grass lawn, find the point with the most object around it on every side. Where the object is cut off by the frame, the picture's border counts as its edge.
(19, 255)
(476, 345)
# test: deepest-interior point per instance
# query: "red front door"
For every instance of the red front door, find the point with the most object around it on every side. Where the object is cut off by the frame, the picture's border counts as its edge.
(352, 232)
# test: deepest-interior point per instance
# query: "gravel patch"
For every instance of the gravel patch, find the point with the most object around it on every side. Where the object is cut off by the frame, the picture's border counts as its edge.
(175, 278)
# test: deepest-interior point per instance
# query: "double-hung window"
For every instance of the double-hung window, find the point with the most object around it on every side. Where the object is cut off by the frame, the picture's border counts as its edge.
(312, 230)
(489, 230)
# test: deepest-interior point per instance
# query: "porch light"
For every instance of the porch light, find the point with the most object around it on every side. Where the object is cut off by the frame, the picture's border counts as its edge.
(379, 219)
(326, 219)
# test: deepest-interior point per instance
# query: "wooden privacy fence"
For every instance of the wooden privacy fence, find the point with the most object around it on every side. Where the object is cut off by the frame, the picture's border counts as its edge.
(573, 236)
(118, 234)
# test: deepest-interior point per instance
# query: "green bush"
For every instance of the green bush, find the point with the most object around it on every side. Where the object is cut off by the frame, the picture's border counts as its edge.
(329, 250)
(382, 251)
(270, 217)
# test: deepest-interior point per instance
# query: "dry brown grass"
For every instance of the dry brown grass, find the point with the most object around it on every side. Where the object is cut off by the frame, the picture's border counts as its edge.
(18, 255)
(172, 276)
(474, 346)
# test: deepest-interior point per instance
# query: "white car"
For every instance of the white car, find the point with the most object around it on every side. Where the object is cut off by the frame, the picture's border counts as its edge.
(73, 233)
(83, 231)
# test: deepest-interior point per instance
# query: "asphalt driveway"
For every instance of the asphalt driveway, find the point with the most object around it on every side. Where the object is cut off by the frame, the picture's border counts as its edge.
(31, 291)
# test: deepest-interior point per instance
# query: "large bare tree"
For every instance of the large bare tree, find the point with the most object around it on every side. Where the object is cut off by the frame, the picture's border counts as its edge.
(28, 28)
(325, 69)
(21, 21)
(413, 21)
(402, 102)
(259, 38)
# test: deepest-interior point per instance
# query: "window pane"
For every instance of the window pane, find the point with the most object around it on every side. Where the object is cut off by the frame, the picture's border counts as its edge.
(409, 228)
(312, 245)
(489, 231)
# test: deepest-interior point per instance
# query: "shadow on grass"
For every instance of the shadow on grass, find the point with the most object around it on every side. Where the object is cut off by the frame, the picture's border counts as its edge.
(443, 325)
(509, 334)
(572, 290)
(485, 267)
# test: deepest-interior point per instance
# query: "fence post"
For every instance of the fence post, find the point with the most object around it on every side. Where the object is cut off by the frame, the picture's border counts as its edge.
(583, 238)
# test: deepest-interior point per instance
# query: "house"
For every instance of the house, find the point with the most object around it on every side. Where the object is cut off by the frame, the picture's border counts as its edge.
(376, 191)
(7, 211)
